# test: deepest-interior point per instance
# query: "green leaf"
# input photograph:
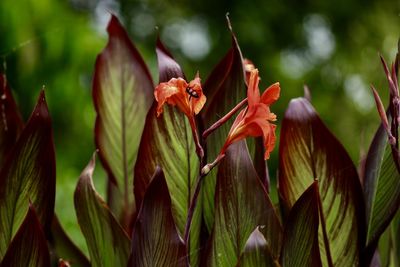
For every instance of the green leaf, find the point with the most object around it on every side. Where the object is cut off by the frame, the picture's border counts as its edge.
(167, 141)
(107, 242)
(224, 88)
(28, 175)
(381, 186)
(309, 151)
(389, 244)
(11, 123)
(64, 248)
(122, 95)
(241, 204)
(29, 246)
(300, 239)
(155, 240)
(395, 235)
(256, 252)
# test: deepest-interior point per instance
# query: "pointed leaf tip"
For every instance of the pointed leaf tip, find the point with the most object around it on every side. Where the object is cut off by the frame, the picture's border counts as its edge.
(171, 127)
(381, 110)
(308, 150)
(87, 173)
(29, 246)
(28, 174)
(113, 24)
(41, 109)
(98, 224)
(307, 93)
(300, 242)
(122, 95)
(242, 203)
(381, 185)
(155, 240)
(256, 252)
(228, 21)
(168, 68)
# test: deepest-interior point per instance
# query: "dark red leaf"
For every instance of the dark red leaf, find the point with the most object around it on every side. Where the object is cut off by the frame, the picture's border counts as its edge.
(309, 151)
(241, 204)
(381, 187)
(122, 95)
(224, 88)
(155, 240)
(11, 123)
(256, 252)
(107, 242)
(29, 246)
(168, 68)
(28, 175)
(300, 238)
(167, 141)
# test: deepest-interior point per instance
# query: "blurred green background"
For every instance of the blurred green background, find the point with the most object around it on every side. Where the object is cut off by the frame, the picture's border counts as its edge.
(332, 46)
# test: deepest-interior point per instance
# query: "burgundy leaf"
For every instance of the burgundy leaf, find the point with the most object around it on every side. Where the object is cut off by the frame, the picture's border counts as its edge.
(256, 252)
(167, 141)
(381, 185)
(122, 95)
(309, 151)
(107, 242)
(300, 238)
(11, 123)
(29, 246)
(224, 88)
(168, 68)
(155, 240)
(241, 204)
(28, 175)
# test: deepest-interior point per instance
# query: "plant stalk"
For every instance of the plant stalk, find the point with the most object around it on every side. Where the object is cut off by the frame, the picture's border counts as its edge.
(224, 119)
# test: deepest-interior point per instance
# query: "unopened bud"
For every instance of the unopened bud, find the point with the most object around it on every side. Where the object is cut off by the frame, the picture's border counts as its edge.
(206, 169)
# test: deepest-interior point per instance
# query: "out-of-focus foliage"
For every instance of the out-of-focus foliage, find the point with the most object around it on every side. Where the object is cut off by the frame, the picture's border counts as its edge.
(330, 45)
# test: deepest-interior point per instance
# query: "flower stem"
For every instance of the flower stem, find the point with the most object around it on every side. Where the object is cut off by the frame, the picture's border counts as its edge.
(196, 193)
(199, 148)
(224, 119)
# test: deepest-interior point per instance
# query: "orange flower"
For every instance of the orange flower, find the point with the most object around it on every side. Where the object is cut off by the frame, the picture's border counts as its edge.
(189, 98)
(255, 119)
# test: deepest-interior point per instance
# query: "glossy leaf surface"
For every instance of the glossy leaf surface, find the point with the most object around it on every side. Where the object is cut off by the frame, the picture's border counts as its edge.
(11, 123)
(155, 240)
(28, 175)
(122, 95)
(224, 88)
(309, 151)
(381, 186)
(300, 239)
(241, 204)
(29, 246)
(107, 242)
(256, 252)
(167, 141)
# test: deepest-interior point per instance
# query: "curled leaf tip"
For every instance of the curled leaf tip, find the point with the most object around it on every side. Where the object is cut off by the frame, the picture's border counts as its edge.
(307, 93)
(228, 21)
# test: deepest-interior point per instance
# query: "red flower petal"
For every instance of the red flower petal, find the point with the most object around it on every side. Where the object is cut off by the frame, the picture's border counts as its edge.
(271, 94)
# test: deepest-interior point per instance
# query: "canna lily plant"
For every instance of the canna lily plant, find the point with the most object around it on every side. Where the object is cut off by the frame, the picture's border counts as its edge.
(187, 187)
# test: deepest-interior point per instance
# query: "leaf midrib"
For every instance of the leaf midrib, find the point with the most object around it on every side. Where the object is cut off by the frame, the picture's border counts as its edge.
(123, 137)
